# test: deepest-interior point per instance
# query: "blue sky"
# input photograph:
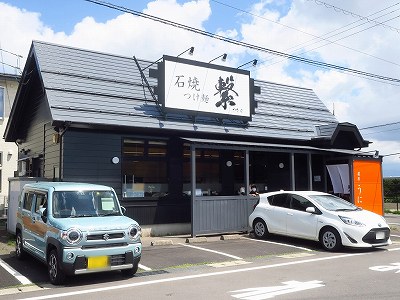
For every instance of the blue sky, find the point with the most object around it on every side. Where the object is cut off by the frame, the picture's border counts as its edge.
(329, 31)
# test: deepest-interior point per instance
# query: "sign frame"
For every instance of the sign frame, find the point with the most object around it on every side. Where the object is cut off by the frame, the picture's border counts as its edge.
(224, 110)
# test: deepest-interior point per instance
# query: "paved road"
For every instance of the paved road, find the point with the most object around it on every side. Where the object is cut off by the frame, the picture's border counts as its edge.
(355, 274)
(177, 256)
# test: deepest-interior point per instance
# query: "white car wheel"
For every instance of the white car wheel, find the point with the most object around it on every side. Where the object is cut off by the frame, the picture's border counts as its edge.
(260, 229)
(330, 239)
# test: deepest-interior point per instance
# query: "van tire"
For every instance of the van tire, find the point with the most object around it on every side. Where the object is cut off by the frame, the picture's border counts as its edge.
(56, 275)
(19, 247)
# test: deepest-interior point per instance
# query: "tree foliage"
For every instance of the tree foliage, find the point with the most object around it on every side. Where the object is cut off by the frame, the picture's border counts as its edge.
(391, 188)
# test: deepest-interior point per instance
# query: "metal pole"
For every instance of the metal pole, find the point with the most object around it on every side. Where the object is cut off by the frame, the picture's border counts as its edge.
(309, 172)
(292, 173)
(193, 181)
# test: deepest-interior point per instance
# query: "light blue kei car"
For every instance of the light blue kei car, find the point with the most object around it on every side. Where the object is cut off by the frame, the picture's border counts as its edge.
(76, 228)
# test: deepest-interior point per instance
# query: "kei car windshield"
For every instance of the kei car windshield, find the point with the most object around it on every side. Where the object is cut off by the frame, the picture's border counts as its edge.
(75, 204)
(333, 203)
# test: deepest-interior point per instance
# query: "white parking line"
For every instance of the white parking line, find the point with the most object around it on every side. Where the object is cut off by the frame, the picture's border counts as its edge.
(17, 275)
(213, 251)
(281, 244)
(395, 235)
(144, 267)
(180, 278)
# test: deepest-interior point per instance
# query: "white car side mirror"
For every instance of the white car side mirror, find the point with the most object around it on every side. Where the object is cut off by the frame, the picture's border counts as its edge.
(311, 210)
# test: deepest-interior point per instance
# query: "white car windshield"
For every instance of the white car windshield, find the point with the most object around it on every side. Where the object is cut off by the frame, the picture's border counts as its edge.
(333, 203)
(73, 204)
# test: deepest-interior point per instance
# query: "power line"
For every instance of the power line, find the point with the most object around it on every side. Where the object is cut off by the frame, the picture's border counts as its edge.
(346, 12)
(391, 154)
(380, 125)
(17, 67)
(20, 56)
(348, 47)
(324, 37)
(247, 45)
(316, 38)
(382, 131)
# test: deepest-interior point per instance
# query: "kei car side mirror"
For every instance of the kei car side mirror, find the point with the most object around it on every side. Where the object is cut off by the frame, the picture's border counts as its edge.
(43, 214)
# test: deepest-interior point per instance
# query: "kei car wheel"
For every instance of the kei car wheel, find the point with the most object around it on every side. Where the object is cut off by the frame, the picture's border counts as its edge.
(330, 239)
(260, 229)
(19, 246)
(130, 272)
(56, 275)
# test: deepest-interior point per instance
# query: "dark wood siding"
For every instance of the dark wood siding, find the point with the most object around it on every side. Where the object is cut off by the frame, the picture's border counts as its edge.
(52, 153)
(87, 158)
(36, 115)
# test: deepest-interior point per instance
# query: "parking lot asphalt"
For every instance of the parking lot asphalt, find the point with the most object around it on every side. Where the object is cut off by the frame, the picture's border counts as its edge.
(159, 254)
(170, 253)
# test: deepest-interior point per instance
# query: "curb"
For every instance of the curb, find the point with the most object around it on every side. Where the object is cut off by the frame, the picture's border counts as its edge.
(22, 289)
(227, 237)
(193, 240)
(161, 243)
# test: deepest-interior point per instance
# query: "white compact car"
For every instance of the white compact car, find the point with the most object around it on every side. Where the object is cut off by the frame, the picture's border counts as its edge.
(318, 216)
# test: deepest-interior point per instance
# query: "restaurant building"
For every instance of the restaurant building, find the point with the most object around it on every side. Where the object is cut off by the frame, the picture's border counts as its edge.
(180, 140)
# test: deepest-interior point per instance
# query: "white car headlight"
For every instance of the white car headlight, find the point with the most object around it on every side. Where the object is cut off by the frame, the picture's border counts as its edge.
(135, 232)
(351, 221)
(73, 235)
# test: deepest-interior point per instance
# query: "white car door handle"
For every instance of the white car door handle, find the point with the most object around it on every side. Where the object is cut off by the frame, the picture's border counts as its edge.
(290, 214)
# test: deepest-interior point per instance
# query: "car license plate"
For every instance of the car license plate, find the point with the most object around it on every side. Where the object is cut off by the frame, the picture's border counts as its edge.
(380, 235)
(98, 262)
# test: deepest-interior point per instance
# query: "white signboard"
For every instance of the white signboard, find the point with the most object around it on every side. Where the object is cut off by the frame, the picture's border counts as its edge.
(206, 88)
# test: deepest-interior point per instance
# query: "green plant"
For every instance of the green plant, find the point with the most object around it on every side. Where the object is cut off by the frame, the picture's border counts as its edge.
(11, 240)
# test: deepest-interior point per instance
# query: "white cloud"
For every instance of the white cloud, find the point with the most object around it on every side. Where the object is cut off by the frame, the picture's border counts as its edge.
(19, 28)
(356, 100)
(125, 35)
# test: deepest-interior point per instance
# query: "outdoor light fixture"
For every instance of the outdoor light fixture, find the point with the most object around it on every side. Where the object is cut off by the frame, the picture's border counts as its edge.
(253, 62)
(223, 57)
(191, 50)
(148, 66)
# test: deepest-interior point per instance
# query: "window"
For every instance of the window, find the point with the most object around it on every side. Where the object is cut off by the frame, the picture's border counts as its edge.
(41, 202)
(300, 203)
(1, 102)
(144, 168)
(28, 200)
(84, 204)
(208, 178)
(280, 200)
(133, 148)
